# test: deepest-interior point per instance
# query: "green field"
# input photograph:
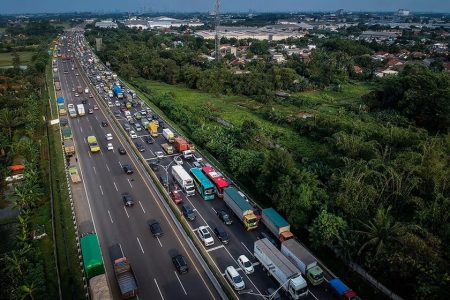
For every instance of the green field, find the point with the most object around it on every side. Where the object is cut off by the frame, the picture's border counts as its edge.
(6, 58)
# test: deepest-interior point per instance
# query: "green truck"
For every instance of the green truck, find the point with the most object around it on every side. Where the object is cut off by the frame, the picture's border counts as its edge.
(92, 256)
(66, 133)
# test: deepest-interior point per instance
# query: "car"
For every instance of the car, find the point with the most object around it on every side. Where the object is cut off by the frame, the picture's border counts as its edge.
(164, 181)
(180, 264)
(109, 136)
(91, 111)
(187, 212)
(153, 165)
(138, 116)
(127, 169)
(156, 229)
(138, 127)
(265, 235)
(159, 154)
(176, 196)
(245, 264)
(127, 199)
(126, 126)
(234, 278)
(221, 234)
(73, 89)
(197, 164)
(127, 113)
(84, 101)
(110, 104)
(226, 219)
(76, 74)
(178, 160)
(133, 134)
(143, 112)
(197, 158)
(104, 124)
(131, 121)
(140, 147)
(91, 96)
(110, 147)
(148, 139)
(273, 294)
(117, 114)
(70, 105)
(205, 236)
(95, 107)
(117, 103)
(76, 95)
(122, 150)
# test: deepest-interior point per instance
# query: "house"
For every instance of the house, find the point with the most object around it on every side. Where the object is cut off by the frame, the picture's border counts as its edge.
(357, 69)
(386, 72)
(278, 57)
(394, 62)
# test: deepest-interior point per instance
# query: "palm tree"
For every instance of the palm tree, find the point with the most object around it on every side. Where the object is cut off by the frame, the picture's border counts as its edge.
(380, 231)
(28, 290)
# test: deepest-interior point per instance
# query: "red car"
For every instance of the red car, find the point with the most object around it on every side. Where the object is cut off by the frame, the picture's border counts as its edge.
(176, 197)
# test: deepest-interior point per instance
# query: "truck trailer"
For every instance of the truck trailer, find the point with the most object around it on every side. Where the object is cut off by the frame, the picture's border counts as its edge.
(92, 256)
(304, 260)
(184, 180)
(80, 109)
(124, 273)
(276, 224)
(99, 289)
(342, 291)
(69, 147)
(281, 269)
(241, 208)
(168, 135)
(182, 145)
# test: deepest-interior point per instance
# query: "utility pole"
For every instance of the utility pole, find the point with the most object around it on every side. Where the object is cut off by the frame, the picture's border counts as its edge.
(217, 22)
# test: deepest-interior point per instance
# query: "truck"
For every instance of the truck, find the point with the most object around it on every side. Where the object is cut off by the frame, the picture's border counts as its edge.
(281, 269)
(241, 208)
(79, 89)
(66, 133)
(182, 145)
(168, 135)
(123, 272)
(93, 145)
(92, 256)
(184, 180)
(117, 90)
(80, 109)
(276, 224)
(304, 260)
(60, 101)
(69, 147)
(153, 128)
(74, 176)
(57, 85)
(167, 148)
(99, 289)
(342, 291)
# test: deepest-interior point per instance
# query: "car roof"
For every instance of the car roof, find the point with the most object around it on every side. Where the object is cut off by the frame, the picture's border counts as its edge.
(232, 271)
(243, 258)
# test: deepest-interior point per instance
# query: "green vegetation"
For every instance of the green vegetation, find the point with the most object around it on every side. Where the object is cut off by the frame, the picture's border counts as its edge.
(6, 59)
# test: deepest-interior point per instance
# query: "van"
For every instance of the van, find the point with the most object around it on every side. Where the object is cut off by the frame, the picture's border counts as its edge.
(234, 278)
(187, 154)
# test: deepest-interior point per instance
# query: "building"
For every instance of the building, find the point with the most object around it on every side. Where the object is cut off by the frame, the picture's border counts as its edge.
(271, 33)
(403, 13)
(378, 35)
(136, 24)
(106, 24)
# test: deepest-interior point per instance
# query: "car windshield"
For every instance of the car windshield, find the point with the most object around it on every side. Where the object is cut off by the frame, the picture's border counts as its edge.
(247, 264)
(207, 235)
(237, 279)
(301, 291)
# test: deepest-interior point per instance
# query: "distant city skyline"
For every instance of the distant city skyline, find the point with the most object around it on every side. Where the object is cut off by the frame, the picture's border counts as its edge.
(98, 6)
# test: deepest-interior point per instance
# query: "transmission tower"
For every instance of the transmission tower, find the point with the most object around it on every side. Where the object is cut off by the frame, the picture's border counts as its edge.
(217, 23)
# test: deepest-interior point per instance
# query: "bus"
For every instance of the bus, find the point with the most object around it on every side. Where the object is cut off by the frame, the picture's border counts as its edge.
(204, 186)
(219, 181)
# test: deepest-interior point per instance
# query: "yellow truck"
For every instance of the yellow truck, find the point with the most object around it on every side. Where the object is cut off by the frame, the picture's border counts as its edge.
(69, 147)
(93, 144)
(168, 148)
(74, 176)
(153, 128)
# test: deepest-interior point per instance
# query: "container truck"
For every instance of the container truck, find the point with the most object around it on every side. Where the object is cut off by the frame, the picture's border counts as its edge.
(241, 208)
(124, 273)
(153, 128)
(184, 180)
(182, 145)
(80, 109)
(69, 147)
(276, 224)
(168, 135)
(66, 133)
(304, 260)
(342, 291)
(167, 148)
(92, 256)
(99, 289)
(281, 269)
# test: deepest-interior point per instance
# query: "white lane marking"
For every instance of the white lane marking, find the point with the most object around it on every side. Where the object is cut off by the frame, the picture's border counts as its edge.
(215, 248)
(162, 297)
(195, 209)
(81, 129)
(115, 186)
(110, 217)
(215, 211)
(96, 118)
(130, 182)
(89, 152)
(108, 168)
(95, 171)
(141, 206)
(247, 249)
(180, 283)
(142, 249)
(101, 190)
(313, 295)
(90, 127)
(121, 250)
(126, 212)
(101, 152)
(159, 241)
(120, 165)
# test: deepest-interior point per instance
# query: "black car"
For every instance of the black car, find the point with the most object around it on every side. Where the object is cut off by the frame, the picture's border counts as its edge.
(84, 101)
(148, 139)
(163, 180)
(127, 169)
(126, 126)
(273, 294)
(156, 229)
(154, 166)
(140, 147)
(104, 124)
(221, 234)
(226, 219)
(187, 212)
(117, 114)
(180, 264)
(122, 150)
(265, 235)
(127, 199)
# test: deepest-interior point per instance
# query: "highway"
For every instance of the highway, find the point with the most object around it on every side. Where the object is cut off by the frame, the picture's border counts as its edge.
(104, 181)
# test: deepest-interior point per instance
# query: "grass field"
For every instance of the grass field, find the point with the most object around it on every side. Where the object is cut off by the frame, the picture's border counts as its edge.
(6, 58)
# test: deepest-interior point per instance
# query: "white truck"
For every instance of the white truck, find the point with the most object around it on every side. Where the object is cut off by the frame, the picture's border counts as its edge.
(304, 260)
(168, 135)
(80, 109)
(184, 180)
(281, 269)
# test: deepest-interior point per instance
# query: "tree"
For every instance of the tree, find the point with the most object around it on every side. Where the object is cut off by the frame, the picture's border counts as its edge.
(15, 60)
(326, 229)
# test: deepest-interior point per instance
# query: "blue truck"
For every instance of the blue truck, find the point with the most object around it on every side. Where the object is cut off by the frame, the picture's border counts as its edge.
(117, 90)
(342, 291)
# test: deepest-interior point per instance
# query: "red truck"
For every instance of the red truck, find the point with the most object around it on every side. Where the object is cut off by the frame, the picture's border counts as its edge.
(182, 145)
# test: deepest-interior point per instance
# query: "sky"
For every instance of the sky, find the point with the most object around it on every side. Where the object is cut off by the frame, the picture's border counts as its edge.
(56, 6)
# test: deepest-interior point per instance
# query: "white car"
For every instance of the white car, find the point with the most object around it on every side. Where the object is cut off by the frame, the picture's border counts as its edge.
(70, 105)
(76, 95)
(127, 113)
(205, 236)
(109, 136)
(110, 104)
(159, 154)
(234, 278)
(117, 103)
(178, 160)
(133, 134)
(110, 147)
(245, 264)
(73, 89)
